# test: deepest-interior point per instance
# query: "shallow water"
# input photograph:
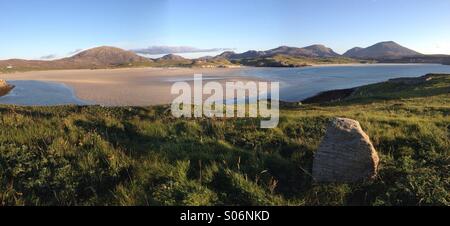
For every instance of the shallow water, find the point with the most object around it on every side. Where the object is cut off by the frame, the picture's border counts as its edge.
(36, 93)
(299, 83)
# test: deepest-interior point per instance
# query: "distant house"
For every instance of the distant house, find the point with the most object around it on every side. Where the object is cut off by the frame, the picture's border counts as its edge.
(9, 67)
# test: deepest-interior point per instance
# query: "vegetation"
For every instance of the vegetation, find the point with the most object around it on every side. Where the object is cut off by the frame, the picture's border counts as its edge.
(23, 69)
(74, 155)
(422, 59)
(291, 61)
(213, 62)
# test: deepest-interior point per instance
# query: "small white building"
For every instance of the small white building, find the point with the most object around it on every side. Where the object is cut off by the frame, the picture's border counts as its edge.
(9, 67)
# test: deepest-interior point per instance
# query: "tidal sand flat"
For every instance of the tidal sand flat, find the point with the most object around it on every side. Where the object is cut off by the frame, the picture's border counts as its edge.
(126, 87)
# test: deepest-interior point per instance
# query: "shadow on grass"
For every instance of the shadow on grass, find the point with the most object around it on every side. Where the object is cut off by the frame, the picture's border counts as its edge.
(127, 138)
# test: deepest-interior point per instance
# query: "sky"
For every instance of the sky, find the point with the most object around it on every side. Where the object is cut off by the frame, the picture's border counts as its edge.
(47, 29)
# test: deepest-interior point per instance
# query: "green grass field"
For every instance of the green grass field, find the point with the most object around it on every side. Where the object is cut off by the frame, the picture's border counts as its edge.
(73, 155)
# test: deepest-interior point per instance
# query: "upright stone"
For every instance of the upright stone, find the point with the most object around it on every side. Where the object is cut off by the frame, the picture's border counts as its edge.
(346, 154)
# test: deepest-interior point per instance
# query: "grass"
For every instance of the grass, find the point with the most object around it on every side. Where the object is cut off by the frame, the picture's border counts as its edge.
(74, 155)
(24, 69)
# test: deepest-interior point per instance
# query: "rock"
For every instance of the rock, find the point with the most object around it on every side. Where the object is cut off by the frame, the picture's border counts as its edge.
(346, 154)
(5, 88)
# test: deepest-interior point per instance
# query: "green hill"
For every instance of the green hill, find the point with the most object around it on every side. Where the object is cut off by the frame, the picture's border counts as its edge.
(93, 155)
(292, 61)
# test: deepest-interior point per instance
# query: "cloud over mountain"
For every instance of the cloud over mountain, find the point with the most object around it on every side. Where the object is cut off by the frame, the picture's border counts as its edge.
(155, 50)
(49, 57)
(75, 51)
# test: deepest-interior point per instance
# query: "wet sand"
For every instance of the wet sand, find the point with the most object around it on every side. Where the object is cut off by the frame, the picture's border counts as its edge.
(127, 87)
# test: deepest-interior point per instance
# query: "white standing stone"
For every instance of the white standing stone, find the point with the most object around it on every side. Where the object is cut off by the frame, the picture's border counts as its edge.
(346, 154)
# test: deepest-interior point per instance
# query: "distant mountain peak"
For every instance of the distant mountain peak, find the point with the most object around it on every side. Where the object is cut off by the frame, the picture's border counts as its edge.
(388, 42)
(107, 55)
(353, 51)
(320, 50)
(381, 50)
(320, 46)
(356, 48)
(100, 50)
(172, 57)
(282, 48)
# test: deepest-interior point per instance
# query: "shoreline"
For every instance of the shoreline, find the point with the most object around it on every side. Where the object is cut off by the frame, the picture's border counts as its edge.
(125, 86)
(148, 86)
(373, 64)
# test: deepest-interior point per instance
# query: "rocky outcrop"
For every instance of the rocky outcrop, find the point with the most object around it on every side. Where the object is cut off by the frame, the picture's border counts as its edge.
(346, 154)
(411, 81)
(329, 96)
(5, 88)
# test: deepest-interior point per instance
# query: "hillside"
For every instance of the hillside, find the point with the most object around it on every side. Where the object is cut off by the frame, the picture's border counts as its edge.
(171, 57)
(172, 60)
(382, 50)
(71, 155)
(104, 56)
(423, 59)
(213, 62)
(13, 65)
(352, 52)
(280, 60)
(246, 55)
(100, 57)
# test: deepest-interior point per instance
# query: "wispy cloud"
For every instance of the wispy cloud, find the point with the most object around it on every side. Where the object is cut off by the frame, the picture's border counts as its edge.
(75, 51)
(155, 50)
(49, 57)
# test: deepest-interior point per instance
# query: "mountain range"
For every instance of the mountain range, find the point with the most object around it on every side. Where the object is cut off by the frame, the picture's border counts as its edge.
(283, 56)
(382, 50)
(309, 51)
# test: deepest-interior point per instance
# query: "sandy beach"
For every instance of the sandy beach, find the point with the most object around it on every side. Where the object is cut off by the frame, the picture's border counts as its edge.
(126, 87)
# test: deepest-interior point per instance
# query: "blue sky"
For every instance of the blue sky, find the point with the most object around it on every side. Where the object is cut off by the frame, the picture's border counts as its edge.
(35, 28)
